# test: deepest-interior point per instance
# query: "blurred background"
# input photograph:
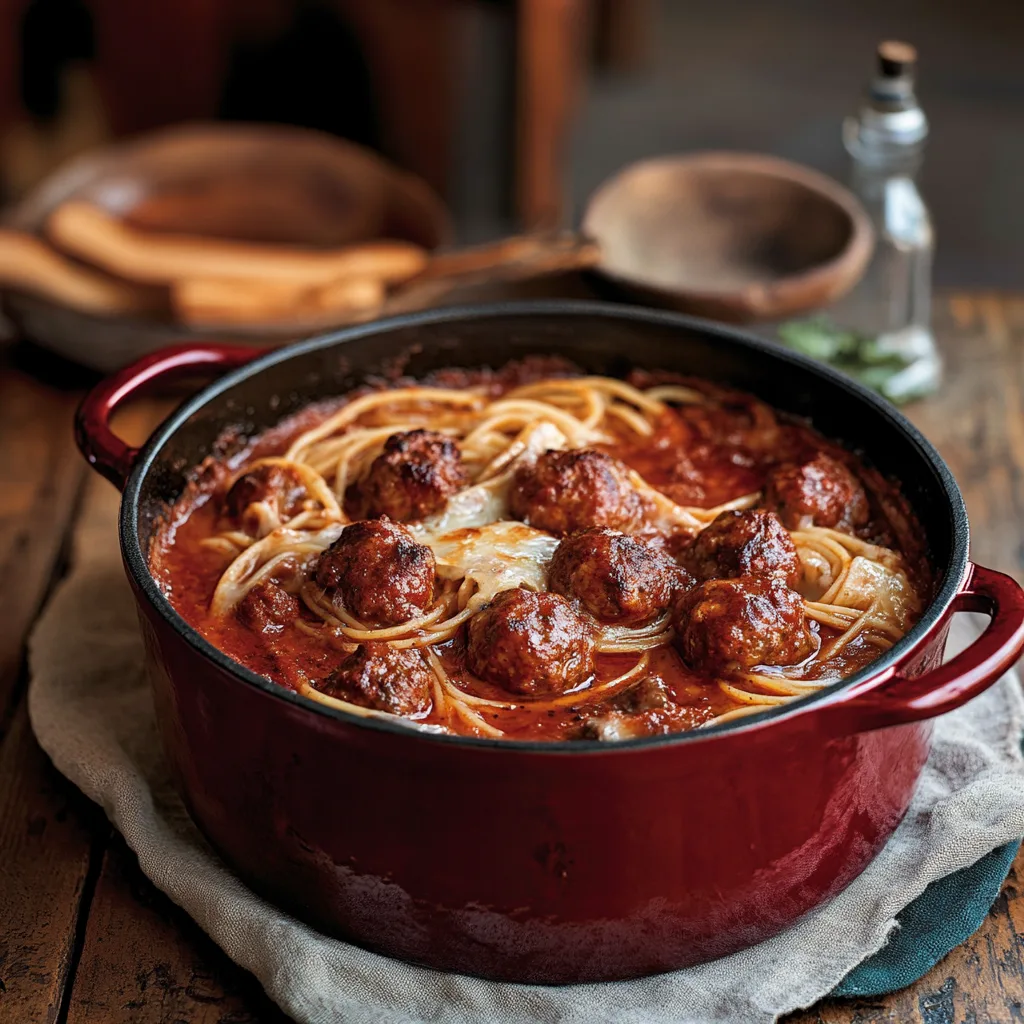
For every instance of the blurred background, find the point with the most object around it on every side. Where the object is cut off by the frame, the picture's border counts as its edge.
(516, 110)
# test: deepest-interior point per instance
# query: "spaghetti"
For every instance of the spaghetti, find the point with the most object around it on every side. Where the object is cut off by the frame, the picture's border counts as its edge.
(692, 457)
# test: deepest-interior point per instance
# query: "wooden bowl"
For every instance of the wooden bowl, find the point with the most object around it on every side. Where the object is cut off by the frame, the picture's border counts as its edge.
(257, 183)
(733, 236)
(260, 183)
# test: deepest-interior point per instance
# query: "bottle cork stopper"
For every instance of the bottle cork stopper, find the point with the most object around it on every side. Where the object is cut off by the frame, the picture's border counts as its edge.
(896, 58)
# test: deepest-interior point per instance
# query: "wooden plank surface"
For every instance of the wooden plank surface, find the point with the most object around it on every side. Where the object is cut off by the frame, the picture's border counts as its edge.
(47, 828)
(122, 952)
(144, 961)
(41, 473)
(51, 837)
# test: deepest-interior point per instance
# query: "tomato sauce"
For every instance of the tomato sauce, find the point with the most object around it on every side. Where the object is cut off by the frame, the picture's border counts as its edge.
(699, 456)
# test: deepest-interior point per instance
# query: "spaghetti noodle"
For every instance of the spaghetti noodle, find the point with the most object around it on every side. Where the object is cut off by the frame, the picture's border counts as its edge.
(678, 439)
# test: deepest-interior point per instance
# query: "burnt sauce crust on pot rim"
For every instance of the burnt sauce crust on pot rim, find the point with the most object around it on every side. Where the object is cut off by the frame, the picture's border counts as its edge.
(580, 332)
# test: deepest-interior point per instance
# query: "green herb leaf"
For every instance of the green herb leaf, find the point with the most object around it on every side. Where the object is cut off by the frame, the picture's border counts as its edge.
(863, 358)
(875, 377)
(870, 351)
(818, 339)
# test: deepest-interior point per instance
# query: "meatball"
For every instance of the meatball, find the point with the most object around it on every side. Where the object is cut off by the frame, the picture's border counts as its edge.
(267, 608)
(531, 643)
(563, 492)
(279, 486)
(412, 477)
(739, 623)
(378, 676)
(821, 492)
(378, 572)
(615, 577)
(751, 543)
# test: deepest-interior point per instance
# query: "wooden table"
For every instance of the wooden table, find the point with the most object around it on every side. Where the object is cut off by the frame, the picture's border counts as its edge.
(85, 937)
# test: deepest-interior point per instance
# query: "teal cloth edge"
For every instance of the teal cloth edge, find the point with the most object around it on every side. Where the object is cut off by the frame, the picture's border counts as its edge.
(949, 911)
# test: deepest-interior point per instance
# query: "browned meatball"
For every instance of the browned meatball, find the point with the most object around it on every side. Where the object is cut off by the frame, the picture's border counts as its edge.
(724, 625)
(531, 643)
(563, 492)
(412, 477)
(751, 543)
(378, 572)
(279, 486)
(267, 608)
(821, 492)
(617, 578)
(378, 676)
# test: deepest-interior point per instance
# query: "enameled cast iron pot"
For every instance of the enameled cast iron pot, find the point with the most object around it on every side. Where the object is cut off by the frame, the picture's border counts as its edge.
(530, 861)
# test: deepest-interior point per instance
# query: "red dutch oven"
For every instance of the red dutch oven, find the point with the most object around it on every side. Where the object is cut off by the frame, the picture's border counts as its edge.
(532, 861)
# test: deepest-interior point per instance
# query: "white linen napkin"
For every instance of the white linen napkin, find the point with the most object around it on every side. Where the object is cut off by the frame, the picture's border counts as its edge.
(92, 713)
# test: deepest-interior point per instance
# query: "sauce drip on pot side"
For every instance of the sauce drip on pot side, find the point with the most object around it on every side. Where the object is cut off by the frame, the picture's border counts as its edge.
(536, 555)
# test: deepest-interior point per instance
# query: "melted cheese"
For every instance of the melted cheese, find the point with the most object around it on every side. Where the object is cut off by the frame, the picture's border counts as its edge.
(496, 556)
(475, 506)
(871, 585)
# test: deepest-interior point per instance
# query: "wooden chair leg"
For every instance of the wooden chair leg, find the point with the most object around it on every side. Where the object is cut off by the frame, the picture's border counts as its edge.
(549, 80)
(410, 46)
(623, 31)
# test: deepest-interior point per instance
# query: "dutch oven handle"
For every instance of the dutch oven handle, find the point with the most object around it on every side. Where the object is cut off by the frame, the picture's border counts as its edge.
(103, 449)
(894, 699)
